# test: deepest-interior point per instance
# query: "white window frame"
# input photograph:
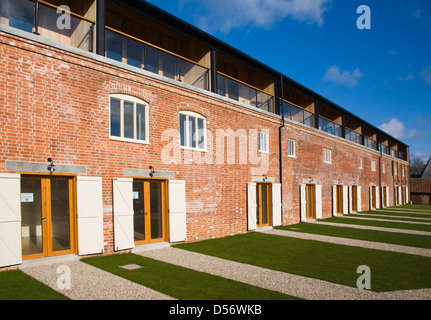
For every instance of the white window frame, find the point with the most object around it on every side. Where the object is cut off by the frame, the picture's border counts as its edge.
(327, 155)
(196, 116)
(383, 168)
(360, 163)
(263, 136)
(135, 101)
(291, 148)
(373, 165)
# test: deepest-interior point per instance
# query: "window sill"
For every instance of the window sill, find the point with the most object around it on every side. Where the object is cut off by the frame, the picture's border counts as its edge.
(193, 149)
(129, 140)
(262, 151)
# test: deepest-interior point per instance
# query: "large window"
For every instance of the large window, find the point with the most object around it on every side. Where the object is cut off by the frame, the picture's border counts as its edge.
(291, 148)
(192, 131)
(128, 119)
(263, 142)
(327, 155)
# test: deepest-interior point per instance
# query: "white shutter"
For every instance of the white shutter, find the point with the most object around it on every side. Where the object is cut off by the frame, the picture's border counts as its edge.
(377, 197)
(350, 200)
(345, 200)
(251, 206)
(407, 195)
(90, 215)
(303, 202)
(387, 197)
(371, 198)
(10, 220)
(177, 211)
(334, 200)
(359, 198)
(318, 202)
(400, 197)
(276, 204)
(123, 213)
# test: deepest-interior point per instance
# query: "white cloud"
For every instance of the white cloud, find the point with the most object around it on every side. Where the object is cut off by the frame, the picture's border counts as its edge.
(225, 15)
(408, 77)
(423, 155)
(397, 129)
(345, 77)
(426, 74)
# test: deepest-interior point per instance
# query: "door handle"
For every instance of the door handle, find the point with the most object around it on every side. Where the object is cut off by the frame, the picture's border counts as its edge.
(43, 219)
(146, 213)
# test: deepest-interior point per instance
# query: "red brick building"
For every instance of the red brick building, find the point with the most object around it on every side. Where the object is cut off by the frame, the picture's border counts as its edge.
(122, 125)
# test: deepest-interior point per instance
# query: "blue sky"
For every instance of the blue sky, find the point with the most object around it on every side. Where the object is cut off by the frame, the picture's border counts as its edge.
(382, 74)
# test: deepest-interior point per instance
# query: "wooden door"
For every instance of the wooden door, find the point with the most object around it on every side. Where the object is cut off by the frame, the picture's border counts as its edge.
(48, 216)
(264, 204)
(310, 193)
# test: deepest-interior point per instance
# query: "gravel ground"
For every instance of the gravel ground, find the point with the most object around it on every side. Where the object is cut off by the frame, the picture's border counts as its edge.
(298, 286)
(90, 283)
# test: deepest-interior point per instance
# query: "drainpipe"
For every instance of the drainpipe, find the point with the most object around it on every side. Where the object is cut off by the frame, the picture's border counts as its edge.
(281, 146)
(380, 169)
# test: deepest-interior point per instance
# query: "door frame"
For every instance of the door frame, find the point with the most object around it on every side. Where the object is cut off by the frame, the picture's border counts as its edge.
(311, 201)
(354, 193)
(46, 214)
(259, 204)
(165, 210)
(340, 199)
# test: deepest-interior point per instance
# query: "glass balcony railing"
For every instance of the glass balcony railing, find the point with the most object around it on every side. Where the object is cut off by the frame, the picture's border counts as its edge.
(138, 53)
(369, 143)
(329, 127)
(228, 87)
(44, 19)
(352, 136)
(297, 114)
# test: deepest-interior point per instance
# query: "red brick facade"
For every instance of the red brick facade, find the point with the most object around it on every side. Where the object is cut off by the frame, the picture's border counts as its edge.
(56, 104)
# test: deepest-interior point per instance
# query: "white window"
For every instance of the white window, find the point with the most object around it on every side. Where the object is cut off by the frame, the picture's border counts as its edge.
(291, 148)
(360, 162)
(192, 131)
(129, 120)
(402, 170)
(327, 155)
(263, 141)
(383, 168)
(373, 165)
(395, 170)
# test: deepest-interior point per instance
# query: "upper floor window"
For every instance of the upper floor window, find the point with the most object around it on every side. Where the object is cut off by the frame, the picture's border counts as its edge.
(192, 131)
(327, 155)
(360, 163)
(373, 165)
(263, 141)
(291, 148)
(129, 120)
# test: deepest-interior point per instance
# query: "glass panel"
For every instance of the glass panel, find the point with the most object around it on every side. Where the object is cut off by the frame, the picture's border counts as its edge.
(258, 196)
(264, 204)
(192, 130)
(20, 13)
(128, 120)
(151, 59)
(60, 215)
(193, 74)
(115, 117)
(140, 122)
(183, 119)
(201, 137)
(114, 46)
(31, 213)
(156, 210)
(168, 65)
(72, 31)
(139, 211)
(134, 53)
(310, 200)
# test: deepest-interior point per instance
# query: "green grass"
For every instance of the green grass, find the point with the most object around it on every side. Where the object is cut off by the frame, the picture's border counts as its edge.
(331, 262)
(407, 214)
(385, 224)
(16, 285)
(412, 240)
(181, 283)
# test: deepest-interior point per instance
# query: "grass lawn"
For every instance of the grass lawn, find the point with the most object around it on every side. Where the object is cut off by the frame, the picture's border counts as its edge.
(385, 224)
(335, 263)
(412, 240)
(181, 283)
(16, 285)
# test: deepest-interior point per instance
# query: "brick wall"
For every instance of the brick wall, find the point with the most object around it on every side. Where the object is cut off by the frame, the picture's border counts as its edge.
(56, 104)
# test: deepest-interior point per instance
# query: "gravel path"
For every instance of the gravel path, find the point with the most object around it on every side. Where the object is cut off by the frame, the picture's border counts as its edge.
(385, 220)
(298, 286)
(345, 225)
(89, 283)
(352, 242)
